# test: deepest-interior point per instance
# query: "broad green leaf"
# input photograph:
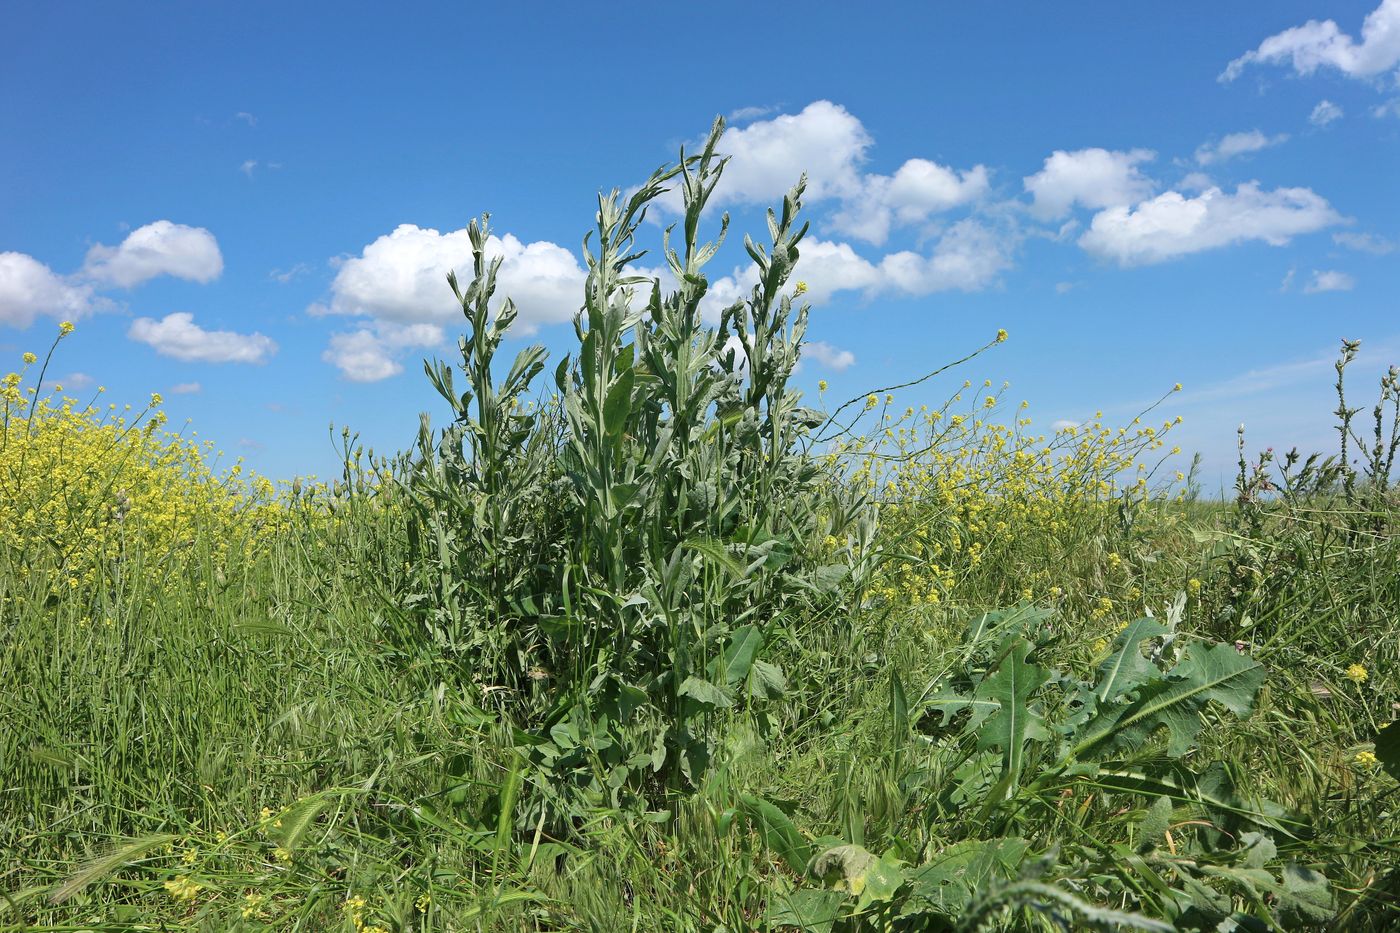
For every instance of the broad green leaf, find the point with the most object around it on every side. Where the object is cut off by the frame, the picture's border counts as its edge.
(777, 831)
(1126, 667)
(1176, 702)
(1012, 686)
(706, 693)
(738, 658)
(812, 910)
(766, 681)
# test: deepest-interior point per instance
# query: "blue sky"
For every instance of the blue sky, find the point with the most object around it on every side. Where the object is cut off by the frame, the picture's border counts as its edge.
(250, 208)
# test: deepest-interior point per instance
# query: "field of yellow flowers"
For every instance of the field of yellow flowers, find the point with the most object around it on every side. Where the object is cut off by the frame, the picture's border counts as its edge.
(570, 666)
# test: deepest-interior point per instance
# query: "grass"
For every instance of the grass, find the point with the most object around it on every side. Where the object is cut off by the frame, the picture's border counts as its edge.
(578, 666)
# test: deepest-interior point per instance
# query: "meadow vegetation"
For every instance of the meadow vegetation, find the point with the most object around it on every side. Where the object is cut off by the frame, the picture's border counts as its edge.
(645, 640)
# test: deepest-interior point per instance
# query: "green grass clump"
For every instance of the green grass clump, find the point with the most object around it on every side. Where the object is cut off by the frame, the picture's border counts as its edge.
(661, 647)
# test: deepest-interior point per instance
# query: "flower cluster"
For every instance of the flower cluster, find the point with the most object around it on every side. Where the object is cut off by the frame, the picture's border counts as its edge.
(961, 489)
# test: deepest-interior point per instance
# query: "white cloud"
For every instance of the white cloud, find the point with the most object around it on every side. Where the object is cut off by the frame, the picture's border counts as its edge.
(246, 117)
(1329, 280)
(29, 288)
(1237, 144)
(827, 355)
(186, 388)
(1288, 278)
(1365, 243)
(968, 257)
(361, 357)
(1092, 178)
(768, 156)
(1324, 113)
(745, 114)
(247, 167)
(1063, 288)
(177, 335)
(1315, 45)
(160, 248)
(401, 278)
(1390, 108)
(76, 381)
(1172, 225)
(916, 191)
(367, 355)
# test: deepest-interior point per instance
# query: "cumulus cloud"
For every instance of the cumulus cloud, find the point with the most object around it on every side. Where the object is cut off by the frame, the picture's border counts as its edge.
(186, 388)
(401, 278)
(969, 256)
(177, 335)
(1365, 243)
(1329, 280)
(1315, 45)
(1237, 144)
(1092, 178)
(370, 354)
(827, 355)
(160, 248)
(1324, 113)
(911, 195)
(766, 157)
(29, 288)
(1172, 225)
(830, 145)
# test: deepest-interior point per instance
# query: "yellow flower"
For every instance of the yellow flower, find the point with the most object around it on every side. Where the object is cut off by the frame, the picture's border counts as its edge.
(30, 358)
(252, 903)
(1365, 759)
(801, 288)
(1001, 335)
(182, 888)
(1177, 387)
(871, 400)
(1194, 586)
(1357, 674)
(282, 854)
(156, 399)
(821, 385)
(65, 328)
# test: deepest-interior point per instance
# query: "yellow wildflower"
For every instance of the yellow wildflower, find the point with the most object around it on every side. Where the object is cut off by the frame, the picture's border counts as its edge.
(183, 888)
(1365, 759)
(1357, 673)
(30, 358)
(65, 328)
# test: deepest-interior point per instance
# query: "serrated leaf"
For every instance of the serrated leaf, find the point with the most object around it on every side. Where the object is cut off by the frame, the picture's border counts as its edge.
(1176, 702)
(1126, 667)
(1016, 720)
